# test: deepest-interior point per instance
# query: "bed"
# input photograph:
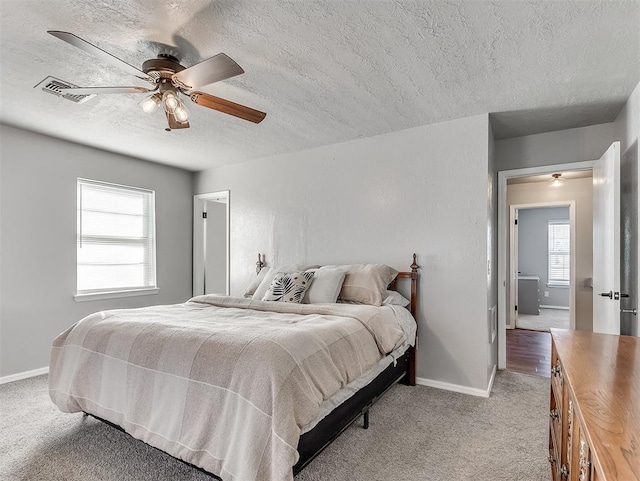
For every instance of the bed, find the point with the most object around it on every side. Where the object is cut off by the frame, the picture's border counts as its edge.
(241, 388)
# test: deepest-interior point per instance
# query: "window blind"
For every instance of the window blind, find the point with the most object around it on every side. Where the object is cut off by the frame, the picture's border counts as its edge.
(559, 253)
(116, 238)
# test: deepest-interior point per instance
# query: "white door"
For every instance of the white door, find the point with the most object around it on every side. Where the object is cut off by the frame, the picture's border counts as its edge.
(606, 242)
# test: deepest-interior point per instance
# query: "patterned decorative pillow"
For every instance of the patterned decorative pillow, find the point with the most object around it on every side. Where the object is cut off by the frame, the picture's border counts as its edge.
(289, 286)
(270, 272)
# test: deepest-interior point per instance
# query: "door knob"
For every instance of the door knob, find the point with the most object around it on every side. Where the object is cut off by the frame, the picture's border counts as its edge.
(624, 295)
(607, 294)
(629, 311)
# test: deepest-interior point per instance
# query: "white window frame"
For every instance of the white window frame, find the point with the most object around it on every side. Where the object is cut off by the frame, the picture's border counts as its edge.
(128, 291)
(558, 282)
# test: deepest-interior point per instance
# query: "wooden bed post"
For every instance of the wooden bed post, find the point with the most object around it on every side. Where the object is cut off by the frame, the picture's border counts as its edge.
(260, 263)
(414, 311)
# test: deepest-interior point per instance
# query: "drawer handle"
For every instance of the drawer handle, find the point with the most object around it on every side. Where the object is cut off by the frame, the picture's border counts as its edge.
(564, 471)
(552, 460)
(555, 370)
(554, 414)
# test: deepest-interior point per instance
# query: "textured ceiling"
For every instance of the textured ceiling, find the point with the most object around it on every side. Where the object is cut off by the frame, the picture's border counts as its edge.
(324, 71)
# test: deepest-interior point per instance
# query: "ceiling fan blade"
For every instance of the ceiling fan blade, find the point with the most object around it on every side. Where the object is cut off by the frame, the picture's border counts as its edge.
(101, 54)
(214, 69)
(105, 90)
(228, 107)
(174, 124)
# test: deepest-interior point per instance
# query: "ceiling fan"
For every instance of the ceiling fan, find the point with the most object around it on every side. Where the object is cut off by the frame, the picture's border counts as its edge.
(169, 80)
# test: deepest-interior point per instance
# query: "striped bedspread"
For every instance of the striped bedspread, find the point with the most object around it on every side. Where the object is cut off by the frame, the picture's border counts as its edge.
(224, 383)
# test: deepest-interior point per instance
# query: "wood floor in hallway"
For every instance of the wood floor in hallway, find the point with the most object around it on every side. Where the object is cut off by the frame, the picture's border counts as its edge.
(529, 352)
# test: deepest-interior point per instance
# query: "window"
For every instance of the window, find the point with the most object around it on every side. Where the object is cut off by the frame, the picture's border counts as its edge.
(559, 253)
(116, 240)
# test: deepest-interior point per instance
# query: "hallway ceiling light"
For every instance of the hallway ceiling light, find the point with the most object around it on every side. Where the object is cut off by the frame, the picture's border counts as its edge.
(556, 180)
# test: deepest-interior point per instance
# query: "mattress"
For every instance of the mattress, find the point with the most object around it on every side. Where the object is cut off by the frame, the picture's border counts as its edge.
(408, 325)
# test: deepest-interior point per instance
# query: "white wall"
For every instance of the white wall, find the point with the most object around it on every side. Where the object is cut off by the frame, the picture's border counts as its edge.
(627, 130)
(380, 199)
(38, 238)
(580, 191)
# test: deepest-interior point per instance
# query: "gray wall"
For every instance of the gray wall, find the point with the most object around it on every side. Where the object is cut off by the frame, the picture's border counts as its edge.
(627, 130)
(38, 238)
(533, 250)
(560, 147)
(380, 199)
(492, 255)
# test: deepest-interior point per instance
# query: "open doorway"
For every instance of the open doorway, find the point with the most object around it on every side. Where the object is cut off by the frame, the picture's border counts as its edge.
(542, 249)
(211, 243)
(521, 192)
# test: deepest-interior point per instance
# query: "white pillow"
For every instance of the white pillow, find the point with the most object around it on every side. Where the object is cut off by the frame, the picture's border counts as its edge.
(271, 273)
(326, 286)
(289, 286)
(394, 298)
(255, 282)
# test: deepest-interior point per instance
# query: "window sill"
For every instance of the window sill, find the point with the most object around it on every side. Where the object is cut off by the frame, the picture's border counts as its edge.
(96, 296)
(559, 286)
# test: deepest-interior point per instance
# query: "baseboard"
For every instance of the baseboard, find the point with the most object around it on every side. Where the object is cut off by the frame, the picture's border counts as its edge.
(561, 308)
(472, 391)
(24, 375)
(491, 379)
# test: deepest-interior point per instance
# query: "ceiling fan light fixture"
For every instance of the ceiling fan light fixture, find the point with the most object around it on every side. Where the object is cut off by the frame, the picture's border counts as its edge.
(170, 100)
(150, 104)
(169, 79)
(556, 180)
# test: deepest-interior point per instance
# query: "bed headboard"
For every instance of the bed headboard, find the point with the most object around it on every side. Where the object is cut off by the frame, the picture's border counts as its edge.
(413, 275)
(413, 308)
(260, 264)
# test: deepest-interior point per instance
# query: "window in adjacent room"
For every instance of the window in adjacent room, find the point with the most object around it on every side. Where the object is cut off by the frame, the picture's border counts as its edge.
(116, 240)
(558, 253)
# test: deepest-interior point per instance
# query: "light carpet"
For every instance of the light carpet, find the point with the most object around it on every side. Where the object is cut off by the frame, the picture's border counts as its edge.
(556, 318)
(416, 434)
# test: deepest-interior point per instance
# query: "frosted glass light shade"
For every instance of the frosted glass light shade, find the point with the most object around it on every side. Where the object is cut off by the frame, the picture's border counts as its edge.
(170, 101)
(150, 104)
(181, 113)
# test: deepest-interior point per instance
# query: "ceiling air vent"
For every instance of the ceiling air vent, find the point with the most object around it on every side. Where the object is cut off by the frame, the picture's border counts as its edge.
(54, 86)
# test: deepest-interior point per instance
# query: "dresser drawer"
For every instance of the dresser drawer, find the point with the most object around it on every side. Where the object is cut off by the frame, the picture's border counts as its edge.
(557, 379)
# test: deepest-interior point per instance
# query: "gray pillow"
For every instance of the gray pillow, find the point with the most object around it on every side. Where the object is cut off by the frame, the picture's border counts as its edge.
(367, 283)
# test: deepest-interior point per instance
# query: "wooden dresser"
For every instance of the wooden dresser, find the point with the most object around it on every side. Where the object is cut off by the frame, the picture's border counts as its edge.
(594, 425)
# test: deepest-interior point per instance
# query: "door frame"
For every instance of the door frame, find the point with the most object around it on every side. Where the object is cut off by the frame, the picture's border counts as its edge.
(503, 250)
(513, 255)
(199, 239)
